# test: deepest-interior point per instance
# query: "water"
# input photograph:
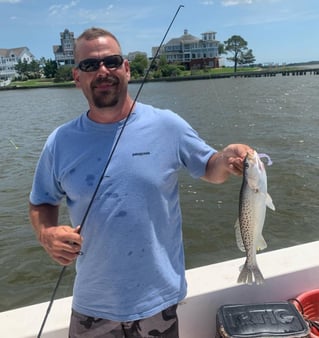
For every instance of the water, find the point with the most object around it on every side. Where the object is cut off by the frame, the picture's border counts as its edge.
(278, 116)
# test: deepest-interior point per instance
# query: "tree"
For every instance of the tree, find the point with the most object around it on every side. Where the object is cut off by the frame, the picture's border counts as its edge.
(238, 46)
(64, 73)
(162, 62)
(247, 58)
(34, 70)
(34, 66)
(138, 65)
(21, 68)
(28, 70)
(165, 69)
(50, 68)
(221, 49)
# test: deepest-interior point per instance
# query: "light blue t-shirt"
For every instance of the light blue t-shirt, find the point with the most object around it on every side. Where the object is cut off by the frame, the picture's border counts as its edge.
(132, 265)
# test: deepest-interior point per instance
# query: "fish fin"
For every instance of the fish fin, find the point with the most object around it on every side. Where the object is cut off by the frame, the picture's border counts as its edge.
(239, 239)
(269, 202)
(261, 243)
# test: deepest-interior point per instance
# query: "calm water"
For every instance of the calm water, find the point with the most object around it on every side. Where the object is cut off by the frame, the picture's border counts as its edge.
(277, 115)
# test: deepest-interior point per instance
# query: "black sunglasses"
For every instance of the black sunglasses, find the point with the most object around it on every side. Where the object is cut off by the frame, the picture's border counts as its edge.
(92, 65)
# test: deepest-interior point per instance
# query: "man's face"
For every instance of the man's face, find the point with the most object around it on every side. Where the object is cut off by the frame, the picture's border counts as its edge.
(105, 87)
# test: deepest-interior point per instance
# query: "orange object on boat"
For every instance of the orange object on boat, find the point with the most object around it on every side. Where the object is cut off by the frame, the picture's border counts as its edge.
(307, 304)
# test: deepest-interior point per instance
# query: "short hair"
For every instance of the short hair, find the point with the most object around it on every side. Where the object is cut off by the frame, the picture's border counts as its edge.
(94, 33)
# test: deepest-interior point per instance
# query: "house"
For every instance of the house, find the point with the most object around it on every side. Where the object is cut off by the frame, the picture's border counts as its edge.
(9, 58)
(191, 51)
(63, 53)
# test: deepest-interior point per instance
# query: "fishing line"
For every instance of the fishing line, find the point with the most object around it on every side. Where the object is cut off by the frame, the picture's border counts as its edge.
(107, 165)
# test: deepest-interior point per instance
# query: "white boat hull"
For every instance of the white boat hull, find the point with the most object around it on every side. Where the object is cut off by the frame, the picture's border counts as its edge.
(288, 273)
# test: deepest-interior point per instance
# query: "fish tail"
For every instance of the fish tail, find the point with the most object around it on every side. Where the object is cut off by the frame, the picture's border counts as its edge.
(250, 274)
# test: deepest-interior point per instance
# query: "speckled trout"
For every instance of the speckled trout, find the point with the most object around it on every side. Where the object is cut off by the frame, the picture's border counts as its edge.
(253, 200)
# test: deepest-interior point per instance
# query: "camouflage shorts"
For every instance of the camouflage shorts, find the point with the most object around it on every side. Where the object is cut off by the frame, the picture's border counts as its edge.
(162, 325)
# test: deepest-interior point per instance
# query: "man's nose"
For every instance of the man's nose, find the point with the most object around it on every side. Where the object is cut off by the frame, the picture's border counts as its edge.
(103, 67)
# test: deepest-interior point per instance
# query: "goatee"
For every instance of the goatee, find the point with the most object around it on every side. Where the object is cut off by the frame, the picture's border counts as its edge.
(108, 97)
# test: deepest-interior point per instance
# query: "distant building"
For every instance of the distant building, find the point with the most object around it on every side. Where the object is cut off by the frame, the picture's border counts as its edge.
(63, 53)
(191, 51)
(9, 58)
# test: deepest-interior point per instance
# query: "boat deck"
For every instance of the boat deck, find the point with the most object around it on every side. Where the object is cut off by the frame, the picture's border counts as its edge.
(288, 272)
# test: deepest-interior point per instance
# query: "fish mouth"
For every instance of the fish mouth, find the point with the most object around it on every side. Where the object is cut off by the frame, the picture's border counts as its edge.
(251, 154)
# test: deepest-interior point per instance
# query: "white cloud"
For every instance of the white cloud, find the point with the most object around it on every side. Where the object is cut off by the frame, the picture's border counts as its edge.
(9, 1)
(58, 9)
(237, 2)
(227, 3)
(207, 3)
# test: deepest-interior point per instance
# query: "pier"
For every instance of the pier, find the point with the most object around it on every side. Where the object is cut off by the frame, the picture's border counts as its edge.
(242, 74)
(269, 73)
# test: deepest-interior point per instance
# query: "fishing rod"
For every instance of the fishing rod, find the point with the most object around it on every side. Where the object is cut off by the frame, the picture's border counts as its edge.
(106, 166)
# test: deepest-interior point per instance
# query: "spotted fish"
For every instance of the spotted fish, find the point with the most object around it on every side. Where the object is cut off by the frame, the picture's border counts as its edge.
(253, 201)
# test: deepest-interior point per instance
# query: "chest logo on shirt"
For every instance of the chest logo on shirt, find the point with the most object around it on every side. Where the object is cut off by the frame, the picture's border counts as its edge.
(145, 153)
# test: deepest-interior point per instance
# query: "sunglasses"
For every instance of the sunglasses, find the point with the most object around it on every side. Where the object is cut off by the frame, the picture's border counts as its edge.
(92, 65)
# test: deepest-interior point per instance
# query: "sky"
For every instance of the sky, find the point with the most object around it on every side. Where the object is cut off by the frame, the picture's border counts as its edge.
(277, 31)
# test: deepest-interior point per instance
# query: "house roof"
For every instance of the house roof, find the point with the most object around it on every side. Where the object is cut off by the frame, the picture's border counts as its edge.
(185, 38)
(57, 49)
(15, 51)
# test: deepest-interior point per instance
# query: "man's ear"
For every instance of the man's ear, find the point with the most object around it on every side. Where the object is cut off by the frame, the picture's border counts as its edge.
(76, 77)
(127, 69)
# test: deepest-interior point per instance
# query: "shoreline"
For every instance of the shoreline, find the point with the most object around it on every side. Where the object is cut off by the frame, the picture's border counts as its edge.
(300, 71)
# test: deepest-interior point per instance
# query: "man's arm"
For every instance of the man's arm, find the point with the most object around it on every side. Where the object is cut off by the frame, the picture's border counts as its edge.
(62, 242)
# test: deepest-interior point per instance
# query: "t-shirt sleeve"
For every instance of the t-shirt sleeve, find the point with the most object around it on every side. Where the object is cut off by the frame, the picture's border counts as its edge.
(46, 187)
(194, 151)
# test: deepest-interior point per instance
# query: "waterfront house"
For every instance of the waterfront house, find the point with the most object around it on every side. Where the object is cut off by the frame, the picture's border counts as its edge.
(9, 58)
(191, 51)
(64, 52)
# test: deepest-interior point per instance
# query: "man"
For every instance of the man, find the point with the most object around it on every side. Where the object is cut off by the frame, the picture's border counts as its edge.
(130, 274)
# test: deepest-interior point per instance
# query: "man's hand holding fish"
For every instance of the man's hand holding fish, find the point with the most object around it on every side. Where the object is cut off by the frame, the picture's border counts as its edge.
(225, 162)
